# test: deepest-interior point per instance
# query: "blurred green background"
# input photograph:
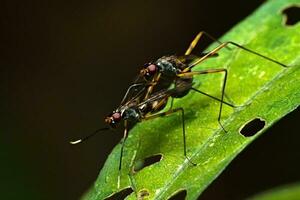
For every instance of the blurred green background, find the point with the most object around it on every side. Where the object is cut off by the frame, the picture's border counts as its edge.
(66, 64)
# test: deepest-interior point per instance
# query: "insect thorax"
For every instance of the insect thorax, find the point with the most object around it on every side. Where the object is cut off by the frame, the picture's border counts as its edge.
(131, 114)
(169, 65)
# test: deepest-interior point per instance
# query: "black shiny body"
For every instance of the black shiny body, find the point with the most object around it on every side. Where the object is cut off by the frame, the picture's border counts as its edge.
(169, 67)
(135, 111)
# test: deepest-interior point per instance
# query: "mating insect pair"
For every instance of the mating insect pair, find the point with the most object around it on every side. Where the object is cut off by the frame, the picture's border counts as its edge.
(148, 95)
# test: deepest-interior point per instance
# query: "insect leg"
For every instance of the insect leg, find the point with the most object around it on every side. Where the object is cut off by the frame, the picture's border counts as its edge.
(215, 98)
(196, 40)
(171, 111)
(256, 53)
(211, 71)
(122, 149)
(214, 51)
(131, 171)
(152, 84)
(171, 104)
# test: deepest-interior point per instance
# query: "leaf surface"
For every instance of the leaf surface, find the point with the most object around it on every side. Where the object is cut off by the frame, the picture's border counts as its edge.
(261, 88)
(287, 192)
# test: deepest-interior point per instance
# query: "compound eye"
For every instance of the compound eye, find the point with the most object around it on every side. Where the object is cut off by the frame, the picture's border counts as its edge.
(116, 116)
(152, 69)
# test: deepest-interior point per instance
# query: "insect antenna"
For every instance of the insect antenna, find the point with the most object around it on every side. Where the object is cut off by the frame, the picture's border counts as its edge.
(133, 87)
(89, 136)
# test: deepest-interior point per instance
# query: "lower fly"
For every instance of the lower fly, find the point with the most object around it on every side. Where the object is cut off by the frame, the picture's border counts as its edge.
(134, 111)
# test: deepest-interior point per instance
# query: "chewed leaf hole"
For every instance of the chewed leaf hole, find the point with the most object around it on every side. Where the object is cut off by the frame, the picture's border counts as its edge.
(143, 194)
(179, 195)
(292, 15)
(252, 127)
(120, 195)
(140, 164)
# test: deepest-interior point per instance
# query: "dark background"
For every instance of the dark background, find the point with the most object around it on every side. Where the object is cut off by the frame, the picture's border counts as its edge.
(65, 65)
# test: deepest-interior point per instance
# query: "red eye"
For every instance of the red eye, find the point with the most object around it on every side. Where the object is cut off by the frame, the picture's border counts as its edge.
(116, 116)
(152, 69)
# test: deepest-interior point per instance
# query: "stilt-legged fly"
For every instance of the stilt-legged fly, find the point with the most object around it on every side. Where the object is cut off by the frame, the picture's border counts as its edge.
(134, 111)
(146, 101)
(177, 70)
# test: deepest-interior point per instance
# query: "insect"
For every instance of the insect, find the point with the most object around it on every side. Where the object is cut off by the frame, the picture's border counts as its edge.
(177, 70)
(150, 95)
(134, 111)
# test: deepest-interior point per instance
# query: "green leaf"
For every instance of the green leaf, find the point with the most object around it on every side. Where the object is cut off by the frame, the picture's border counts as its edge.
(262, 89)
(288, 192)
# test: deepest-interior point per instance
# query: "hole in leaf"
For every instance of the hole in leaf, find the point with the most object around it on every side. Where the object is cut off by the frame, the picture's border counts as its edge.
(252, 127)
(120, 195)
(179, 195)
(143, 194)
(292, 15)
(139, 165)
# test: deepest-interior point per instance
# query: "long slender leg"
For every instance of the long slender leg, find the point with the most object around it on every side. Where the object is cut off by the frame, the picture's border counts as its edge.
(131, 171)
(224, 45)
(122, 149)
(172, 102)
(152, 84)
(215, 98)
(258, 54)
(211, 71)
(183, 127)
(196, 40)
